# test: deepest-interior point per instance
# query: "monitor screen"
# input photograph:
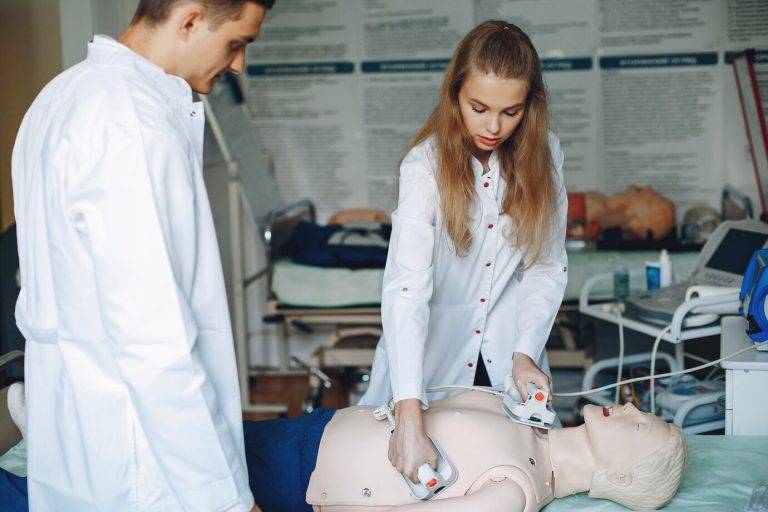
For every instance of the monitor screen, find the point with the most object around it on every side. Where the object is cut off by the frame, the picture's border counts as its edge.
(735, 251)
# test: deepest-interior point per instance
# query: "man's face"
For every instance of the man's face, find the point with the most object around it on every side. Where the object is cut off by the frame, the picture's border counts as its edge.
(215, 52)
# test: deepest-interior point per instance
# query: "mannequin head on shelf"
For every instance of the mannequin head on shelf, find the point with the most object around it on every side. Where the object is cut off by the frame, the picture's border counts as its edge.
(638, 211)
(639, 458)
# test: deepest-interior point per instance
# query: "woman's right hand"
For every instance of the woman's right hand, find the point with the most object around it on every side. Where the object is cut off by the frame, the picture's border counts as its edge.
(409, 446)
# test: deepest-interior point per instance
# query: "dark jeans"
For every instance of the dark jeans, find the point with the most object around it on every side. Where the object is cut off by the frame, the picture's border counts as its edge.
(481, 373)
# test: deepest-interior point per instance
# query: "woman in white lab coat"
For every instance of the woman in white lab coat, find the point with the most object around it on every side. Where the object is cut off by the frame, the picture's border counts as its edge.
(477, 267)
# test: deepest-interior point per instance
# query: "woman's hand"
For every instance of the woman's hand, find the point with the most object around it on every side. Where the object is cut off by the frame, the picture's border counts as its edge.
(526, 371)
(409, 446)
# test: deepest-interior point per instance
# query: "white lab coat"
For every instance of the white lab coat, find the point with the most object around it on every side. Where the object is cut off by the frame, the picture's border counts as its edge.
(131, 387)
(440, 310)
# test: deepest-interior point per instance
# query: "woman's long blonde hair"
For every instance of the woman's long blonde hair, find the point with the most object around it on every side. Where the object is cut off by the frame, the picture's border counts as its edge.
(506, 51)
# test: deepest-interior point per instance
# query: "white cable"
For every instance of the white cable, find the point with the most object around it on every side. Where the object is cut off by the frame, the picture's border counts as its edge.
(621, 352)
(669, 374)
(390, 417)
(695, 358)
(484, 389)
(651, 377)
(653, 365)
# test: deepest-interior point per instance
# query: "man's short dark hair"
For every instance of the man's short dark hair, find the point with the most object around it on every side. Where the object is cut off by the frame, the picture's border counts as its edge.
(157, 11)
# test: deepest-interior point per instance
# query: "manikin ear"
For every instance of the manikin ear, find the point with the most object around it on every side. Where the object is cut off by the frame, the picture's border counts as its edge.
(619, 477)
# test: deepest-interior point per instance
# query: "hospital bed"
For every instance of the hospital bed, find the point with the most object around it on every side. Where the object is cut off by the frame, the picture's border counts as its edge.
(303, 296)
(721, 474)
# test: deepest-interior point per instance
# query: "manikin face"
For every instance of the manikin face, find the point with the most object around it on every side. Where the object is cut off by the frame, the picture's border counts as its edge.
(646, 210)
(622, 435)
(491, 108)
(211, 53)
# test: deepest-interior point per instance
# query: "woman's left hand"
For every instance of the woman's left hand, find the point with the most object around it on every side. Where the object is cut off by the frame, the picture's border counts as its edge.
(525, 371)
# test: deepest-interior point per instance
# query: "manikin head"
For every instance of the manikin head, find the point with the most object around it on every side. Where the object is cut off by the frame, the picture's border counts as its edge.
(647, 210)
(638, 211)
(640, 458)
(197, 40)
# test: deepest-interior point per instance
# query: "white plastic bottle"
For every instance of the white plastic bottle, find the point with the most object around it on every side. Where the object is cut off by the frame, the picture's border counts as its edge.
(666, 269)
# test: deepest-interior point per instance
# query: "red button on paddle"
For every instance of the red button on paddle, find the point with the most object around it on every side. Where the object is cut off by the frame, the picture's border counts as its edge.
(539, 396)
(432, 482)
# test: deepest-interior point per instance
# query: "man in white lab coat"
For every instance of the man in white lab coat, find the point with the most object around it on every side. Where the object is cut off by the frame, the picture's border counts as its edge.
(132, 392)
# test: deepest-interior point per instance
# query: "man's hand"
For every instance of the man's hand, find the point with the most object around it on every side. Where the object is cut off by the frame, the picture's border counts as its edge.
(255, 509)
(409, 446)
(524, 371)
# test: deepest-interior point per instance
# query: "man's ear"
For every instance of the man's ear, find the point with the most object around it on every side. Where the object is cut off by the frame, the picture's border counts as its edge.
(619, 477)
(190, 18)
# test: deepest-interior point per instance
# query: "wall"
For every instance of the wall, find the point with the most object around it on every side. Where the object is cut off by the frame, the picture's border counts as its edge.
(81, 19)
(640, 93)
(30, 50)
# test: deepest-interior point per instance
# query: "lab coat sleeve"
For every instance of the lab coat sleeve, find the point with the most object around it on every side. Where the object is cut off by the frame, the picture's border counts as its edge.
(407, 286)
(120, 196)
(543, 285)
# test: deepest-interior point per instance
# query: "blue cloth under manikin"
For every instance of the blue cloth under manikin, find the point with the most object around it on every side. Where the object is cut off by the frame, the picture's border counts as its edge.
(281, 456)
(13, 492)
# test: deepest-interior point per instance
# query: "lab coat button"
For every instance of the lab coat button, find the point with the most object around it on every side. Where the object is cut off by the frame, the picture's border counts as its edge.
(477, 331)
(482, 300)
(488, 264)
(470, 365)
(490, 226)
(193, 113)
(486, 184)
(488, 361)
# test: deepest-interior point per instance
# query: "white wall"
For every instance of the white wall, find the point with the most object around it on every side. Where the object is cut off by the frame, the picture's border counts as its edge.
(81, 19)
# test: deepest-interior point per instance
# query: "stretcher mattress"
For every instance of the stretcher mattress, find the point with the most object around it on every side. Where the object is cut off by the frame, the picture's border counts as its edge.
(722, 472)
(297, 285)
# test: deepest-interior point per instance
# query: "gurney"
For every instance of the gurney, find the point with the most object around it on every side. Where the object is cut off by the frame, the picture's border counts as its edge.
(721, 474)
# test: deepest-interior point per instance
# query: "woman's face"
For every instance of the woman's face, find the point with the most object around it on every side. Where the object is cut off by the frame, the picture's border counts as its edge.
(492, 108)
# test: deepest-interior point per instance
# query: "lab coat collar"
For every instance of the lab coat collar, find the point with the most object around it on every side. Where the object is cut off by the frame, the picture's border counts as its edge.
(492, 174)
(105, 50)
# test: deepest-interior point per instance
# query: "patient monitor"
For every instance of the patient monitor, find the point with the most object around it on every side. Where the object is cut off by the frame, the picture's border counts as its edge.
(722, 263)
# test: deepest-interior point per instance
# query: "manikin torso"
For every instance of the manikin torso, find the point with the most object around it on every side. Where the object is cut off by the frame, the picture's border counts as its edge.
(353, 470)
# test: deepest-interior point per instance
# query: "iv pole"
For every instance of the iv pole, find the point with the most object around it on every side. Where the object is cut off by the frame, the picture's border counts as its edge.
(239, 299)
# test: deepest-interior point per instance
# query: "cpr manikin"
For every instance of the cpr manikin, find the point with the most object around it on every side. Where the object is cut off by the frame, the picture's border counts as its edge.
(637, 211)
(620, 453)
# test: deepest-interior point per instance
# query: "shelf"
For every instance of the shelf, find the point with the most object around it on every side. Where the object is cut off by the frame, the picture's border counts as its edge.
(597, 311)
